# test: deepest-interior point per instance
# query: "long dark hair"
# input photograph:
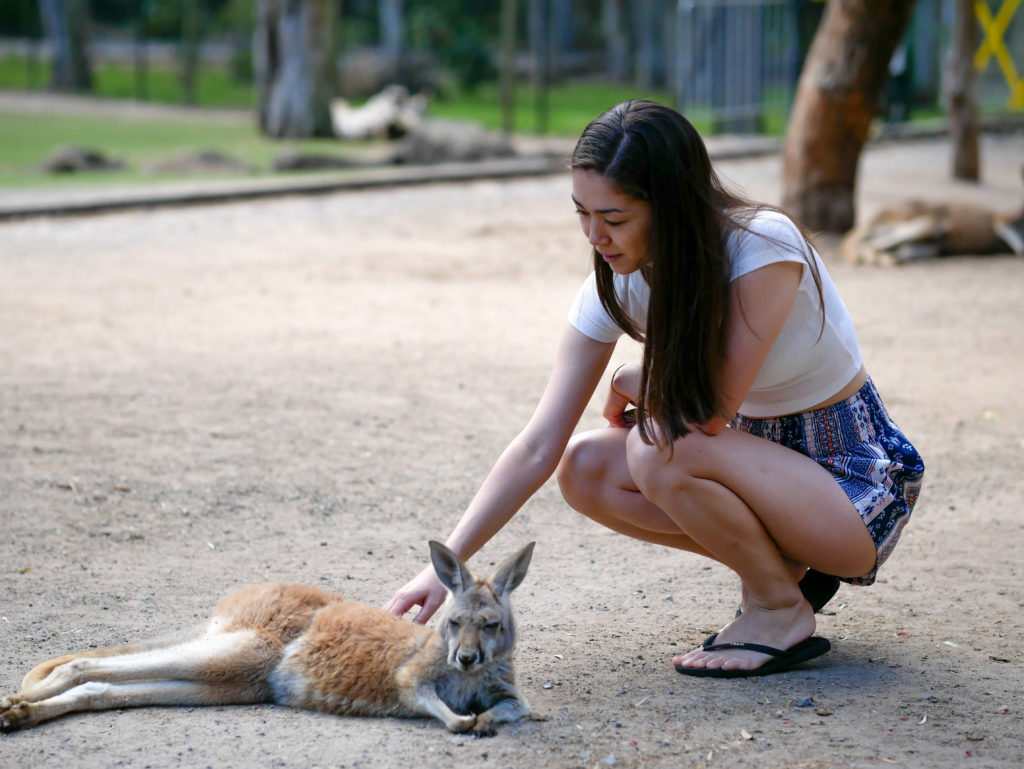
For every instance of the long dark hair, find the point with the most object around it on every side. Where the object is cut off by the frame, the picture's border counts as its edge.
(652, 153)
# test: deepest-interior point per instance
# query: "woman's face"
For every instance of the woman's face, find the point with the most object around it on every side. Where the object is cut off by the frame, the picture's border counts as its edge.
(616, 225)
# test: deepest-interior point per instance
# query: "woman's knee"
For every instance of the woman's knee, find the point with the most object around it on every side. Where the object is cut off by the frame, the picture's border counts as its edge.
(584, 468)
(657, 472)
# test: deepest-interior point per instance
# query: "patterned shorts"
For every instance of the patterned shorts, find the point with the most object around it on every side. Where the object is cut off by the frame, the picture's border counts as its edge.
(862, 447)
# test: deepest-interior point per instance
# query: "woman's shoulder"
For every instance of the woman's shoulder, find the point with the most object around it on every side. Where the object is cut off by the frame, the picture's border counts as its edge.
(768, 223)
(764, 236)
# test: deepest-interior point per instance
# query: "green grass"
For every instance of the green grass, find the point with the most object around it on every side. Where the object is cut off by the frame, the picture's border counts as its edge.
(214, 87)
(26, 139)
(570, 106)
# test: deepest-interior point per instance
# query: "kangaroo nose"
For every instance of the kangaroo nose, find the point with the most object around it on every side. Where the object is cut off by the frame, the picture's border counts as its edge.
(467, 658)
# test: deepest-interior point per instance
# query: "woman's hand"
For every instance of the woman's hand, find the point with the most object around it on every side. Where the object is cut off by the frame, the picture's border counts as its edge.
(424, 590)
(622, 394)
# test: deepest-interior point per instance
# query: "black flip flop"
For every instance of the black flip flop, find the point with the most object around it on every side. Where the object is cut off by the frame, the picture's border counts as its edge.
(781, 661)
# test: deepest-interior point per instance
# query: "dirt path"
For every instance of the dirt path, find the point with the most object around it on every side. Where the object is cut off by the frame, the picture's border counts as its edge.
(309, 389)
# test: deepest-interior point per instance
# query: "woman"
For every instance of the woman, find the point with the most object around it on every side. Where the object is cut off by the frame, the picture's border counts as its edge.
(759, 439)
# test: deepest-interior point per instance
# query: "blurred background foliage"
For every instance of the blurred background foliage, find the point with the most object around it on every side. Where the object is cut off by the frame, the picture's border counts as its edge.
(572, 60)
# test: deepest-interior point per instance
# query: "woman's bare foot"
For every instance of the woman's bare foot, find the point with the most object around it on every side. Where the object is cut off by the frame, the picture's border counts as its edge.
(779, 628)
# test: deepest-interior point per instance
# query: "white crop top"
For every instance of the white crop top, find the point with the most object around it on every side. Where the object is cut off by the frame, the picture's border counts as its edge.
(801, 370)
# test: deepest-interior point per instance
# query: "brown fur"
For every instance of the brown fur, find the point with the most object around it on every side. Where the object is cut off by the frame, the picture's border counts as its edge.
(917, 230)
(300, 646)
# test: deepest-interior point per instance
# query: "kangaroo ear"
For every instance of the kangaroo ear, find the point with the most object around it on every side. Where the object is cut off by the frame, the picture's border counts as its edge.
(449, 569)
(511, 573)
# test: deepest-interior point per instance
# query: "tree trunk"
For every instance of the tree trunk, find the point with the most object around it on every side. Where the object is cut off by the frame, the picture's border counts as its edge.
(644, 22)
(140, 62)
(389, 13)
(188, 54)
(66, 26)
(836, 99)
(960, 93)
(560, 38)
(613, 22)
(293, 53)
(508, 65)
(540, 50)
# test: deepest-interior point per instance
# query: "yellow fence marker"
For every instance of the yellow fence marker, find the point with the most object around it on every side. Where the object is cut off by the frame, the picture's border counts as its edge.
(995, 45)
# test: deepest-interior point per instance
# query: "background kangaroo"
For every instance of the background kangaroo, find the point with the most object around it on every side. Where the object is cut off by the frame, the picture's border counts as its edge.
(300, 646)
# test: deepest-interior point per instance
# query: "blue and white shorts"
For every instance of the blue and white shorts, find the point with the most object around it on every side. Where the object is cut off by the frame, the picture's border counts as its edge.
(859, 444)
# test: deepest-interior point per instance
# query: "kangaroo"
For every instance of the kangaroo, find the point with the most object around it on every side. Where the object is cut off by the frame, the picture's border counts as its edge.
(300, 646)
(919, 230)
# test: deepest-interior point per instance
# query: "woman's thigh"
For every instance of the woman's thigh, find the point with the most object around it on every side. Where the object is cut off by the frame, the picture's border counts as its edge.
(798, 502)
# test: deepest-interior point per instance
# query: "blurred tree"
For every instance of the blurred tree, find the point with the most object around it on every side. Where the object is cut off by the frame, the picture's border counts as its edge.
(294, 66)
(613, 23)
(20, 18)
(66, 26)
(645, 22)
(960, 94)
(462, 34)
(140, 57)
(188, 55)
(112, 13)
(836, 99)
(507, 84)
(390, 14)
(541, 44)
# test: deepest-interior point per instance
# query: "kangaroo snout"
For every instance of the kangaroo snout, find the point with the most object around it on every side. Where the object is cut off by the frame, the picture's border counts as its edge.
(469, 658)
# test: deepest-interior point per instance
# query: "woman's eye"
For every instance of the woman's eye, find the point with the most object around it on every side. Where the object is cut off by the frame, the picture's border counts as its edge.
(611, 223)
(580, 213)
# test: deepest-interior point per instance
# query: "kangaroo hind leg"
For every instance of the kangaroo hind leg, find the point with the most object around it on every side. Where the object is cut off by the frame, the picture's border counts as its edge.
(38, 673)
(215, 658)
(96, 695)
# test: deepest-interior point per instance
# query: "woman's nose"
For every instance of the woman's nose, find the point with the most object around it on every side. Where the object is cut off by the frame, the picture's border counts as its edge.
(597, 233)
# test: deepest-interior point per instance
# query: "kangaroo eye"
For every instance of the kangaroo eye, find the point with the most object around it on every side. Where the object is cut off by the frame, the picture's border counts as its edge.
(453, 624)
(492, 627)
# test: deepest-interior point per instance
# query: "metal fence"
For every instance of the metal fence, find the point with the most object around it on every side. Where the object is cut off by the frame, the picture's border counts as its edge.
(737, 61)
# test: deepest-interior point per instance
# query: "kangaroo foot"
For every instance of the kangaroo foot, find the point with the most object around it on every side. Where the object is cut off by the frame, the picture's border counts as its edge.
(17, 716)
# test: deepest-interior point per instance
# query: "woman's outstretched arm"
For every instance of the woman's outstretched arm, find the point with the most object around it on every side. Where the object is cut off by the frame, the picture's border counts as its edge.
(524, 466)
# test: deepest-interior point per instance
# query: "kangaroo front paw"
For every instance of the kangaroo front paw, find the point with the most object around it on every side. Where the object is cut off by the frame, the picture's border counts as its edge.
(15, 717)
(484, 727)
(461, 724)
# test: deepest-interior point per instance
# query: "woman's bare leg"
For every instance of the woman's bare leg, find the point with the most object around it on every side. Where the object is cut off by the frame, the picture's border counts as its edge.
(595, 481)
(766, 512)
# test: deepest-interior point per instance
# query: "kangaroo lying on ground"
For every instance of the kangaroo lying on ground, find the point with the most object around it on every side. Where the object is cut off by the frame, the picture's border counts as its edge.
(300, 646)
(918, 230)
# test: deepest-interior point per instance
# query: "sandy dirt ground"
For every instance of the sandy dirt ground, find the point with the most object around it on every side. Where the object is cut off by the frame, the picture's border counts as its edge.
(311, 388)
